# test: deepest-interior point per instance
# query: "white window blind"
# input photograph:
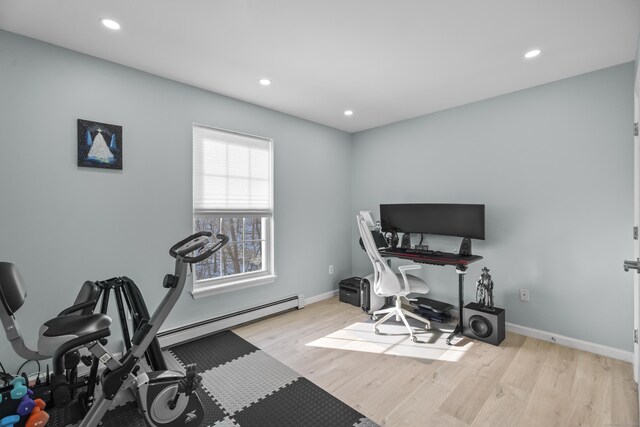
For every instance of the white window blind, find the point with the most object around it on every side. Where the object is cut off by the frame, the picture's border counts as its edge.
(231, 172)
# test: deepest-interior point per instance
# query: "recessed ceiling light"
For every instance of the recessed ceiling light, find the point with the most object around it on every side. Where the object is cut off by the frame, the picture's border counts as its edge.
(532, 53)
(348, 113)
(265, 82)
(110, 23)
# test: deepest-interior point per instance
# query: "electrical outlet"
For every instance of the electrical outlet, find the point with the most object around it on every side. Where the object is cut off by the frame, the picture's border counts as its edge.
(331, 269)
(524, 295)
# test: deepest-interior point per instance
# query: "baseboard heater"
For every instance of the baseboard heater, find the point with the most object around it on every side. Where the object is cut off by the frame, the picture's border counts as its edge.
(210, 326)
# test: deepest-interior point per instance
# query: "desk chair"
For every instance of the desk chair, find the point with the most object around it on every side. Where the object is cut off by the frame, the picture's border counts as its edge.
(386, 283)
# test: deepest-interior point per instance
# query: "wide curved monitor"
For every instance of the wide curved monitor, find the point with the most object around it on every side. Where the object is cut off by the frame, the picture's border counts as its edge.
(434, 218)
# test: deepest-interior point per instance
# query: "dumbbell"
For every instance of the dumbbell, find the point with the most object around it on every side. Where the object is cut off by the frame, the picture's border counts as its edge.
(38, 417)
(19, 388)
(26, 404)
(10, 421)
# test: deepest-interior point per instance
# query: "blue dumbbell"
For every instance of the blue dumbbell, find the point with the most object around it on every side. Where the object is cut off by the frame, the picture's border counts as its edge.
(26, 405)
(9, 421)
(19, 388)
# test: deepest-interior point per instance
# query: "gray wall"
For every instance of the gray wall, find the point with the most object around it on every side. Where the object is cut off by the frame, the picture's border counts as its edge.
(554, 166)
(62, 224)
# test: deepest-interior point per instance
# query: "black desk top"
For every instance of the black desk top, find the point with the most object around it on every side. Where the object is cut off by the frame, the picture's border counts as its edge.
(447, 258)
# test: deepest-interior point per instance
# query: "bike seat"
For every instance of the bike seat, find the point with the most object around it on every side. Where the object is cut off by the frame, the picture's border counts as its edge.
(61, 329)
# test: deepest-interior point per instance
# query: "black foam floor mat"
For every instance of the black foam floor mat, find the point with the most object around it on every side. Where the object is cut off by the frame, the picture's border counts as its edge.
(241, 386)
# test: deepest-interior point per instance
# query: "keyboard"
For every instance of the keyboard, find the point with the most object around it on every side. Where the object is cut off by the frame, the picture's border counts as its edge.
(414, 251)
(424, 252)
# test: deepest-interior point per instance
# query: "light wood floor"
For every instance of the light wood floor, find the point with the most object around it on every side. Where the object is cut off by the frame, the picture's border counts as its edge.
(524, 382)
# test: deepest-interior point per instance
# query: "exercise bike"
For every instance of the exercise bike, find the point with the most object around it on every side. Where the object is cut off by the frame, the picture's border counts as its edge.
(165, 398)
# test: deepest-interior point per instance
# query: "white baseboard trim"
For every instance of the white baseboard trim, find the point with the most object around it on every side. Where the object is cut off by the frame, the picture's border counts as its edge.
(196, 330)
(210, 326)
(602, 350)
(321, 297)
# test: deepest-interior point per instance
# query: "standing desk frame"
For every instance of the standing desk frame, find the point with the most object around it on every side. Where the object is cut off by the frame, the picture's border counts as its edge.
(461, 263)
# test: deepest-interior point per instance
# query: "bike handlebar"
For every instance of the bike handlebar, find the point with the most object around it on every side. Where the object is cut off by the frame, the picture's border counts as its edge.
(196, 242)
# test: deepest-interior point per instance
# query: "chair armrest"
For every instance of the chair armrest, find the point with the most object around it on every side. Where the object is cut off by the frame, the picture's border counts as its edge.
(78, 307)
(403, 271)
(409, 267)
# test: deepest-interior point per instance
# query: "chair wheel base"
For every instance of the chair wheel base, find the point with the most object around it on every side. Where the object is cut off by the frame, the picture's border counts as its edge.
(414, 339)
(374, 317)
(377, 331)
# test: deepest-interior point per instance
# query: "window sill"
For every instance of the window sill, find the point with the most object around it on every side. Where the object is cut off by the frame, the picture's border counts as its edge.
(206, 290)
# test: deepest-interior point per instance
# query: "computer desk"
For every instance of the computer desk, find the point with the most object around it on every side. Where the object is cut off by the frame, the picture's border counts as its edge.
(461, 264)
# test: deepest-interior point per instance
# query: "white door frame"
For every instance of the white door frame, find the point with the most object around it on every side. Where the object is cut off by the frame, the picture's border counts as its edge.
(636, 223)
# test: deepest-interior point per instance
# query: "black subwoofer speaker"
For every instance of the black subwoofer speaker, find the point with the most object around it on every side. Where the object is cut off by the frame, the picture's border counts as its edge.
(482, 324)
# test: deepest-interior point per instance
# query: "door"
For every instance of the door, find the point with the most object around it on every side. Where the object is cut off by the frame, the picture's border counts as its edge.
(634, 265)
(636, 224)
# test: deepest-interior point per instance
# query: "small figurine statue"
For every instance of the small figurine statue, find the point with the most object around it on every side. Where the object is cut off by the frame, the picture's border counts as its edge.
(480, 294)
(484, 290)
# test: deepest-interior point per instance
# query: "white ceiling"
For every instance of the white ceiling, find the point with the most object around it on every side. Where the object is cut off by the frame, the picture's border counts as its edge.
(386, 60)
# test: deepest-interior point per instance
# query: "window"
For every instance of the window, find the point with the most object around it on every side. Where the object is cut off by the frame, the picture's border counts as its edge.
(233, 195)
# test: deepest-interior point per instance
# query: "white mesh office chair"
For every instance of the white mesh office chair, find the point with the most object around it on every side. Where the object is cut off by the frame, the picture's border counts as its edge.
(386, 283)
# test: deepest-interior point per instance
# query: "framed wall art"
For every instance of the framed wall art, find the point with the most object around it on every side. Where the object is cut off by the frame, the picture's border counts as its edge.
(99, 145)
